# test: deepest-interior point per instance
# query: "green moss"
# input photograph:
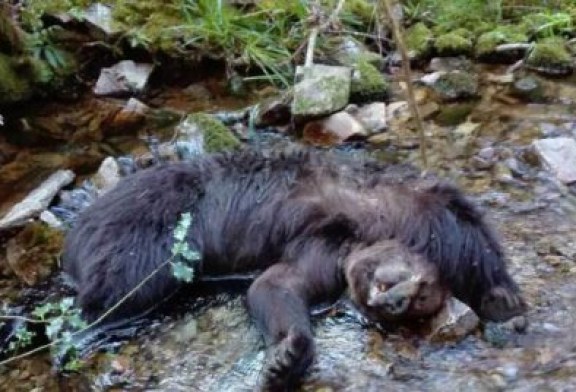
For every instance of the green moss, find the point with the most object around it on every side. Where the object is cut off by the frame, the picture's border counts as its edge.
(34, 9)
(550, 52)
(419, 39)
(13, 86)
(452, 44)
(216, 136)
(368, 84)
(454, 114)
(363, 9)
(487, 42)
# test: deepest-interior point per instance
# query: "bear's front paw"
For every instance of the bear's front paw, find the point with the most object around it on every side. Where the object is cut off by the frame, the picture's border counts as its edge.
(501, 304)
(288, 361)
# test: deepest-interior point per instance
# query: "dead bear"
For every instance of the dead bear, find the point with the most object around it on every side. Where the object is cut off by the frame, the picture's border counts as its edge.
(302, 218)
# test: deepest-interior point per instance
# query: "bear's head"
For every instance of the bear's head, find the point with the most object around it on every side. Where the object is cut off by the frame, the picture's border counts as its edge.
(389, 283)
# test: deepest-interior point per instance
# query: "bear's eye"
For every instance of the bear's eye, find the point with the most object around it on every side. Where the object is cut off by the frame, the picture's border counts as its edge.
(381, 287)
(422, 298)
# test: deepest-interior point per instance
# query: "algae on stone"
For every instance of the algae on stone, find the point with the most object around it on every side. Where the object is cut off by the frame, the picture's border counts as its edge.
(456, 85)
(215, 134)
(368, 84)
(322, 90)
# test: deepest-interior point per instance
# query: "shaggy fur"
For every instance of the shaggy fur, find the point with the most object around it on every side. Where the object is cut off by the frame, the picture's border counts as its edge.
(297, 217)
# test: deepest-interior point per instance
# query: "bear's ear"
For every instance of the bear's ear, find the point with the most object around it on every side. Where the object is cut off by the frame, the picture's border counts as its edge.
(501, 304)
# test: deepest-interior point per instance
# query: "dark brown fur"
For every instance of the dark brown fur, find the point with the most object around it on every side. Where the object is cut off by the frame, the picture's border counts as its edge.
(296, 217)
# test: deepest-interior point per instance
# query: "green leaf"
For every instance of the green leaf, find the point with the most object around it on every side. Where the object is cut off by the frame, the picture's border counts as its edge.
(182, 272)
(54, 327)
(43, 310)
(66, 304)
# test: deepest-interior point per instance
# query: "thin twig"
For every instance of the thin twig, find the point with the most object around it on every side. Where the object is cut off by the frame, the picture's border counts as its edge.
(399, 38)
(309, 59)
(25, 319)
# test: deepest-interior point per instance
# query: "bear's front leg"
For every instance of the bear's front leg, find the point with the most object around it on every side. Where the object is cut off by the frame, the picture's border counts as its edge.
(278, 302)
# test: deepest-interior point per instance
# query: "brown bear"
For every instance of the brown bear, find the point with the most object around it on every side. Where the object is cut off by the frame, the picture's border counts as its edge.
(312, 222)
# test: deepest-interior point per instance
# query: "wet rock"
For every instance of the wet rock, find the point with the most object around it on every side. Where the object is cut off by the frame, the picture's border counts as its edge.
(336, 129)
(559, 154)
(32, 253)
(505, 334)
(107, 175)
(37, 201)
(131, 116)
(371, 116)
(454, 85)
(74, 201)
(550, 57)
(516, 167)
(322, 90)
(274, 111)
(485, 158)
(51, 220)
(528, 89)
(454, 322)
(124, 78)
(100, 20)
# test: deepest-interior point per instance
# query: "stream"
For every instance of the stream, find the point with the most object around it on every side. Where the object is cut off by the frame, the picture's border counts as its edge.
(209, 342)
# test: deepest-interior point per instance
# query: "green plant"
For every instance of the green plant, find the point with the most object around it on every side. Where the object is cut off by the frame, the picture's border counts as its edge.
(42, 47)
(547, 23)
(60, 320)
(183, 258)
(241, 38)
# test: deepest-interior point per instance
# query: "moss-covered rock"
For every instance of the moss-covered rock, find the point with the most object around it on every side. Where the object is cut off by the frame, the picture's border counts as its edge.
(419, 40)
(368, 84)
(215, 134)
(321, 90)
(487, 43)
(455, 85)
(551, 57)
(14, 86)
(453, 44)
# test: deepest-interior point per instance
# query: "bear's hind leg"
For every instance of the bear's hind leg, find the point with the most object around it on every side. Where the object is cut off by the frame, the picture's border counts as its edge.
(277, 301)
